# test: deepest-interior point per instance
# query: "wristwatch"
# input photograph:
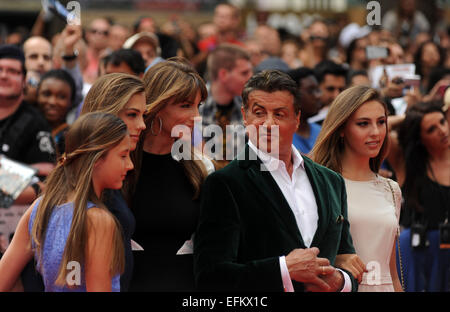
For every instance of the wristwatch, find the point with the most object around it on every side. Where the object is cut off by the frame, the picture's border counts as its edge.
(70, 57)
(37, 189)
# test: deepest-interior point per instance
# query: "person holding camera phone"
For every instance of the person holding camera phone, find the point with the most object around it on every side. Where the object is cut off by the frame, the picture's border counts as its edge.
(425, 143)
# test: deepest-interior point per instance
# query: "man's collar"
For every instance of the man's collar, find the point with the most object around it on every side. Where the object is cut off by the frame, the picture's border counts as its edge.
(272, 162)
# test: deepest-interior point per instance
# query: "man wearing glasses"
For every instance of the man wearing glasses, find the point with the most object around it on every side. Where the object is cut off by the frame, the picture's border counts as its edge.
(97, 39)
(24, 133)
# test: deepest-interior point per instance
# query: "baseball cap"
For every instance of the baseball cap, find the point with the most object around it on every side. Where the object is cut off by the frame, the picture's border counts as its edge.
(152, 38)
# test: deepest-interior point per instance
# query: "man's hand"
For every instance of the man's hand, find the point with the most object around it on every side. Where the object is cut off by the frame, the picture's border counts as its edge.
(304, 266)
(70, 36)
(394, 87)
(335, 282)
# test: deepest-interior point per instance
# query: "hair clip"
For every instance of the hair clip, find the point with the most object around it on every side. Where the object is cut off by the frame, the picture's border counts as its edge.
(62, 160)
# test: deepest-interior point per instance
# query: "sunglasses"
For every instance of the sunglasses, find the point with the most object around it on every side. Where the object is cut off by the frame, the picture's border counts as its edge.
(331, 89)
(100, 32)
(318, 38)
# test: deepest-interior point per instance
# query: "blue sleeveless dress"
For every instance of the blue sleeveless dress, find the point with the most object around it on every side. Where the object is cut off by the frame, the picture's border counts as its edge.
(58, 229)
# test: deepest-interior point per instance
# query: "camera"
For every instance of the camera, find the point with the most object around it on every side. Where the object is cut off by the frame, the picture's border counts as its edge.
(419, 236)
(376, 52)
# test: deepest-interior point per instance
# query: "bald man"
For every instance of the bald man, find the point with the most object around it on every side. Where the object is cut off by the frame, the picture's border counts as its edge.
(38, 54)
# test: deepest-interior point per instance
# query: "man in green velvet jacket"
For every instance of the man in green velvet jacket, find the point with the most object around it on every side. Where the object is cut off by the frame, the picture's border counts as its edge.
(272, 220)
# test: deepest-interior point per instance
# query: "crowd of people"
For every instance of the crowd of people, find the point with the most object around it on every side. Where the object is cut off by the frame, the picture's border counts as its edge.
(355, 196)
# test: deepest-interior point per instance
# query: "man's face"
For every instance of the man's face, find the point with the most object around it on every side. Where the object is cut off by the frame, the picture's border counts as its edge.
(270, 110)
(147, 50)
(98, 33)
(330, 88)
(224, 18)
(309, 96)
(359, 53)
(147, 24)
(38, 55)
(318, 34)
(235, 79)
(11, 78)
(396, 55)
(117, 36)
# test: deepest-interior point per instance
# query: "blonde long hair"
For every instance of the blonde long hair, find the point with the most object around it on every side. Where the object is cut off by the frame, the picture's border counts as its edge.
(328, 148)
(175, 80)
(88, 139)
(110, 94)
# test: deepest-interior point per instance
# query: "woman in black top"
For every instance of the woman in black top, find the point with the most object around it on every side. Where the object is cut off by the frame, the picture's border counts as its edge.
(165, 199)
(425, 142)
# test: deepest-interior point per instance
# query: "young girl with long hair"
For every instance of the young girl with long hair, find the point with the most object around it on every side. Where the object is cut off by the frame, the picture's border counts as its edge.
(353, 142)
(75, 240)
(123, 96)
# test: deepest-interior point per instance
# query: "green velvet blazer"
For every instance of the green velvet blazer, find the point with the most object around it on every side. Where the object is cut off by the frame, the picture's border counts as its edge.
(246, 224)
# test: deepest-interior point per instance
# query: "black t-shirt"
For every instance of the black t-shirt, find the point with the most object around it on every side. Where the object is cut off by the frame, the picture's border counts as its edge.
(25, 136)
(434, 199)
(166, 217)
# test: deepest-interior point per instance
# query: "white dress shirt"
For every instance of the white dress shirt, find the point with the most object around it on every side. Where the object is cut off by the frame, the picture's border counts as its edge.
(298, 192)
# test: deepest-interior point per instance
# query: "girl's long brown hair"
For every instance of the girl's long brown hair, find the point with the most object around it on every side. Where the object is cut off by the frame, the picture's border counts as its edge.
(110, 94)
(328, 148)
(88, 140)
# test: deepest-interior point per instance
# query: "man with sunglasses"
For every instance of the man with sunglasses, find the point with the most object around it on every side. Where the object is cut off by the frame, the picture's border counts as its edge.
(316, 37)
(332, 81)
(97, 36)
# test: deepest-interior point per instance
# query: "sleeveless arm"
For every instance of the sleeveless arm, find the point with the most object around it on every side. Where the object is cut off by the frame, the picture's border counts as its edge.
(99, 250)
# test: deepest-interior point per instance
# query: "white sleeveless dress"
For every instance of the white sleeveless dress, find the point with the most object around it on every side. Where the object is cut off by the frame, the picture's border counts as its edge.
(374, 218)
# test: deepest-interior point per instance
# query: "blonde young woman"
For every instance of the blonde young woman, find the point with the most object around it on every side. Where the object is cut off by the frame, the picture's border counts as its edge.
(166, 193)
(353, 142)
(123, 96)
(74, 238)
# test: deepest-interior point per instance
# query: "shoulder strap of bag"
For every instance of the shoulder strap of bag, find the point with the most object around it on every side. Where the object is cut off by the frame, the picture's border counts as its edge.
(398, 239)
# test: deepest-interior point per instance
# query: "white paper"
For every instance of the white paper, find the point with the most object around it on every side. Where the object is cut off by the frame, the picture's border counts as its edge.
(405, 71)
(135, 246)
(14, 178)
